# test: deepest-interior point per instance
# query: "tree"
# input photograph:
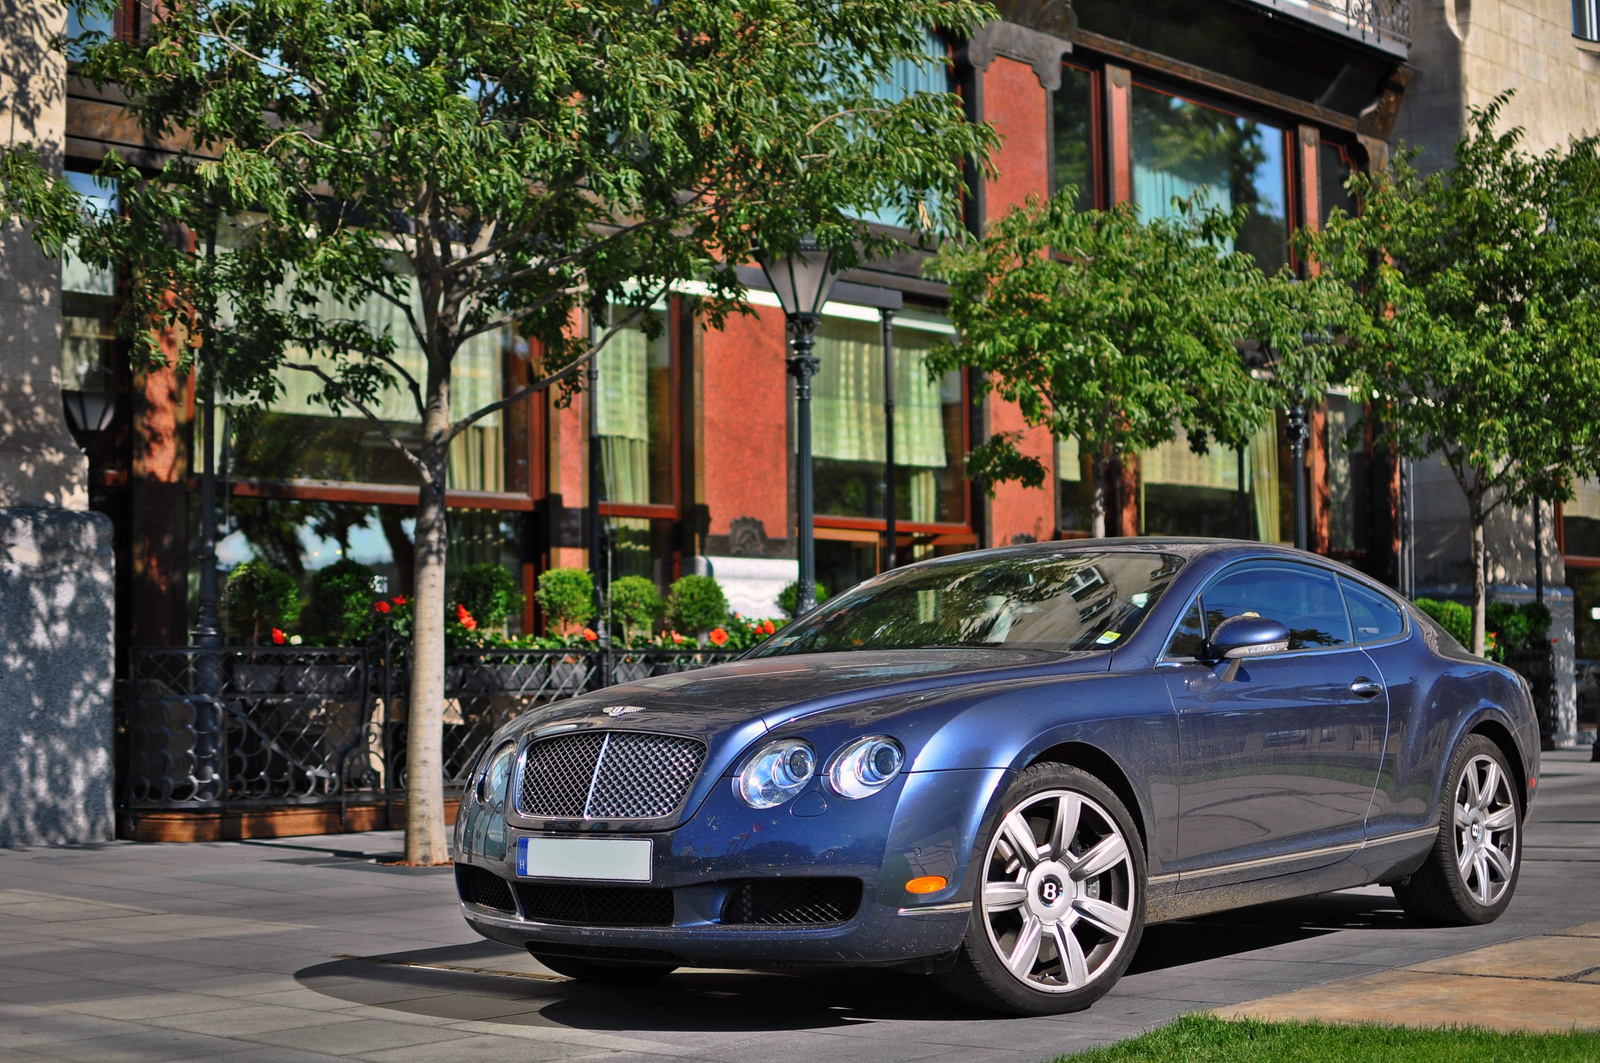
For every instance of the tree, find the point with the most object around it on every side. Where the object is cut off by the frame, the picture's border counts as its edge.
(1478, 336)
(635, 604)
(696, 604)
(1117, 330)
(482, 166)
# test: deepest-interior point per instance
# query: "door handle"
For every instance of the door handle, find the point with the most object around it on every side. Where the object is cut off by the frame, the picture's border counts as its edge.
(1366, 688)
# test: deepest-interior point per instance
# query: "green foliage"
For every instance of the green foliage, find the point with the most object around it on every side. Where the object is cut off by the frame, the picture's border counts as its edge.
(1477, 334)
(258, 598)
(1203, 1038)
(567, 597)
(744, 633)
(789, 597)
(339, 610)
(635, 603)
(1516, 628)
(490, 593)
(1452, 616)
(696, 604)
(1118, 330)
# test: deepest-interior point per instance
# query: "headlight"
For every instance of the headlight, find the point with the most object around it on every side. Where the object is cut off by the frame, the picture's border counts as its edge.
(865, 766)
(496, 776)
(778, 771)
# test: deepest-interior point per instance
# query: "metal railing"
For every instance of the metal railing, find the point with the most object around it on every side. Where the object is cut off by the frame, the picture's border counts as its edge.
(1382, 19)
(273, 726)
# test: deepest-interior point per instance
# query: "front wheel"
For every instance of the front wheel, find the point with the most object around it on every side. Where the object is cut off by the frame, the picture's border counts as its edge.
(1472, 871)
(1059, 900)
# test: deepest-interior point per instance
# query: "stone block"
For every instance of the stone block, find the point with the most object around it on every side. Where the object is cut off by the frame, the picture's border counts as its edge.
(56, 657)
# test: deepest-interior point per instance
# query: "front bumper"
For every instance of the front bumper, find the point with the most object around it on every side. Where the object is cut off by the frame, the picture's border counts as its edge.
(925, 823)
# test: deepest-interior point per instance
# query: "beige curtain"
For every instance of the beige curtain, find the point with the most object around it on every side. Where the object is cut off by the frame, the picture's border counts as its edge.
(1585, 501)
(1174, 462)
(1069, 465)
(624, 416)
(1262, 463)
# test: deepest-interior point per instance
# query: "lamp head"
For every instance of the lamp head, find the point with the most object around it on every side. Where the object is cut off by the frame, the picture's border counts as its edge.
(802, 279)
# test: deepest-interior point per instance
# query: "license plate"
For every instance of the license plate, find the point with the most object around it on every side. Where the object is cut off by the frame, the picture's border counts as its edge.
(608, 859)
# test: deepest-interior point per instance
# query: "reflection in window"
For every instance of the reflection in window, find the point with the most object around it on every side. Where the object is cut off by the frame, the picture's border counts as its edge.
(1305, 600)
(1181, 148)
(847, 424)
(1580, 520)
(1185, 493)
(1075, 485)
(1073, 133)
(635, 415)
(83, 20)
(1334, 167)
(639, 546)
(905, 79)
(1348, 476)
(295, 439)
(88, 303)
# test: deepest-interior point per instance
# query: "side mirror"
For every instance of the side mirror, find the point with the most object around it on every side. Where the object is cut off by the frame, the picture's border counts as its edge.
(1239, 637)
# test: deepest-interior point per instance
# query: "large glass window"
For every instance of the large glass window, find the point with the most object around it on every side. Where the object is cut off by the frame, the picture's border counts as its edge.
(1074, 486)
(1074, 128)
(905, 79)
(635, 415)
(1222, 492)
(1181, 147)
(848, 446)
(293, 438)
(88, 303)
(1580, 520)
(1334, 167)
(1349, 485)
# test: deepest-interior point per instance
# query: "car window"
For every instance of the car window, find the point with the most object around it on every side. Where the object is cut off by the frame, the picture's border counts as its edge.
(1373, 615)
(1305, 600)
(1188, 635)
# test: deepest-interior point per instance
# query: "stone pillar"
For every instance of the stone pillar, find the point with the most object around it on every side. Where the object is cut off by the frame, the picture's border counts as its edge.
(56, 584)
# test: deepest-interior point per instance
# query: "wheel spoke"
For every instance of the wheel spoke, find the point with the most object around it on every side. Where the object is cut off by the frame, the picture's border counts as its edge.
(1491, 785)
(1074, 967)
(1020, 840)
(1469, 779)
(1068, 810)
(1480, 868)
(1495, 859)
(1463, 817)
(1106, 854)
(1469, 852)
(1504, 819)
(1108, 917)
(1025, 953)
(1003, 896)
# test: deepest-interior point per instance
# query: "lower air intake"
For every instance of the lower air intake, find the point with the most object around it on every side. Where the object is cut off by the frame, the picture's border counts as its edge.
(484, 889)
(793, 902)
(595, 905)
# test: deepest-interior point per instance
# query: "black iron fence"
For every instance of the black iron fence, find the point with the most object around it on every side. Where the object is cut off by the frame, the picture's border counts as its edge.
(272, 726)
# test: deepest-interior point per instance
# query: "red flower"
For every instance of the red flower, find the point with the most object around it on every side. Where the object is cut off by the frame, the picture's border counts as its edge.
(717, 636)
(676, 637)
(382, 607)
(588, 633)
(768, 627)
(399, 599)
(277, 637)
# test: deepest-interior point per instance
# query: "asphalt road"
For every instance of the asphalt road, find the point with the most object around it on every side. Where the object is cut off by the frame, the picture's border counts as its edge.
(308, 949)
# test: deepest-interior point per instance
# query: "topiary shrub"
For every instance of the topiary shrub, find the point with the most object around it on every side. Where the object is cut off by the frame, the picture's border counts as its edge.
(789, 597)
(567, 597)
(635, 603)
(339, 609)
(1516, 628)
(259, 597)
(1452, 616)
(490, 593)
(696, 604)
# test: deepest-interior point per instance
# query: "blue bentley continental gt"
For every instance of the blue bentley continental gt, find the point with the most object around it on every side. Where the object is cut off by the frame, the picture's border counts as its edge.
(996, 768)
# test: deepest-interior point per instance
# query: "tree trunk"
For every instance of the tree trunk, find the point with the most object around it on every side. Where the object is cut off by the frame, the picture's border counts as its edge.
(427, 841)
(1479, 584)
(1097, 504)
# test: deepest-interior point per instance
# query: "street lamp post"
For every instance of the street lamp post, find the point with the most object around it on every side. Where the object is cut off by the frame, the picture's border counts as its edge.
(802, 281)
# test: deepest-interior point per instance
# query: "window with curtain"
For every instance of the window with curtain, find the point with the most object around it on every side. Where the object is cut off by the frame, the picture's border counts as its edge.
(1074, 485)
(905, 79)
(635, 415)
(1180, 148)
(296, 439)
(1580, 520)
(848, 447)
(1073, 129)
(1185, 493)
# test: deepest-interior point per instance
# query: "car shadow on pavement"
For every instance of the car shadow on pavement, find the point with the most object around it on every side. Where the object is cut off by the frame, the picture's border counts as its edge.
(1263, 926)
(485, 982)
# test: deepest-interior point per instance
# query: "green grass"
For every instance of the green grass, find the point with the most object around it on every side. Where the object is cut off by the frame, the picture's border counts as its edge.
(1205, 1038)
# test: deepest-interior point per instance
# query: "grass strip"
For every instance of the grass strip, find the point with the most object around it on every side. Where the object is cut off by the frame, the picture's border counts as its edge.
(1205, 1038)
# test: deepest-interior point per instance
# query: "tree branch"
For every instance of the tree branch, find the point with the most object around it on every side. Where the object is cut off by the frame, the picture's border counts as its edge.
(427, 477)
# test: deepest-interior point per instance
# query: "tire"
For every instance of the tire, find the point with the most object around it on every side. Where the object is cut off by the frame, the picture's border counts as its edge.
(605, 973)
(1480, 828)
(1052, 934)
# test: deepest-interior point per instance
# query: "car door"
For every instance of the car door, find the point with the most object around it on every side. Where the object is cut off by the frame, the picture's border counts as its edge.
(1277, 767)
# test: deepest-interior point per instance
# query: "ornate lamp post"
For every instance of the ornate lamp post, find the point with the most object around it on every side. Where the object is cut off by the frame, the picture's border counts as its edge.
(802, 281)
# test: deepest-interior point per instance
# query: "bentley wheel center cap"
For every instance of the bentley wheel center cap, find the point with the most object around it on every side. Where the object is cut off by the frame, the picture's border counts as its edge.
(1050, 891)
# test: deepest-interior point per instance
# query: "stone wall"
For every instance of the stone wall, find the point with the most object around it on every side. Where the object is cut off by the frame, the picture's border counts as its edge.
(55, 677)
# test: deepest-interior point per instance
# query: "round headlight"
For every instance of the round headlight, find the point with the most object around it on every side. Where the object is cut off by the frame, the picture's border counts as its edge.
(778, 771)
(865, 766)
(496, 777)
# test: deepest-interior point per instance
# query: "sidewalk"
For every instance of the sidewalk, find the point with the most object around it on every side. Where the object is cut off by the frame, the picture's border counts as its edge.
(307, 949)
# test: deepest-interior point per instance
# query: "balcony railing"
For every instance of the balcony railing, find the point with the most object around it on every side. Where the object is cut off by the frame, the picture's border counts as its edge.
(1381, 20)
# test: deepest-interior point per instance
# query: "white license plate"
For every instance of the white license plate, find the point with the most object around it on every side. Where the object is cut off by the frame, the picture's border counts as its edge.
(610, 859)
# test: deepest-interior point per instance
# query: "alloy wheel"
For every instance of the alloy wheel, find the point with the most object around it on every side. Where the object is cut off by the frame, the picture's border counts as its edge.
(1485, 829)
(1059, 891)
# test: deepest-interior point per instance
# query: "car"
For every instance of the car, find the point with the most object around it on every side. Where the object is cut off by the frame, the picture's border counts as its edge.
(998, 767)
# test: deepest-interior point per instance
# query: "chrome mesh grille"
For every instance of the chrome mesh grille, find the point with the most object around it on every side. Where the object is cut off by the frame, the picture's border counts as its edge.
(608, 775)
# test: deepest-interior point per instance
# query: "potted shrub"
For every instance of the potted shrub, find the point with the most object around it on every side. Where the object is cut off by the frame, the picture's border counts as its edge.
(635, 604)
(567, 597)
(257, 600)
(696, 604)
(488, 595)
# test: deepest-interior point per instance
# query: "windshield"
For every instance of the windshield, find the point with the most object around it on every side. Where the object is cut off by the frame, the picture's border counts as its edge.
(1055, 601)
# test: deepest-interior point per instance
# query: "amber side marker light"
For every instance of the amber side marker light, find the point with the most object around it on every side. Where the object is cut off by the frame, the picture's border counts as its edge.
(927, 884)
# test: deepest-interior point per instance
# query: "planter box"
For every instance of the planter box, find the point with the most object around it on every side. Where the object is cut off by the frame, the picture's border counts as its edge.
(255, 678)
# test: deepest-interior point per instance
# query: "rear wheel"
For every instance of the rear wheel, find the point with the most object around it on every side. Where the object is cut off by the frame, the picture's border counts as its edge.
(1472, 871)
(1058, 908)
(607, 973)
